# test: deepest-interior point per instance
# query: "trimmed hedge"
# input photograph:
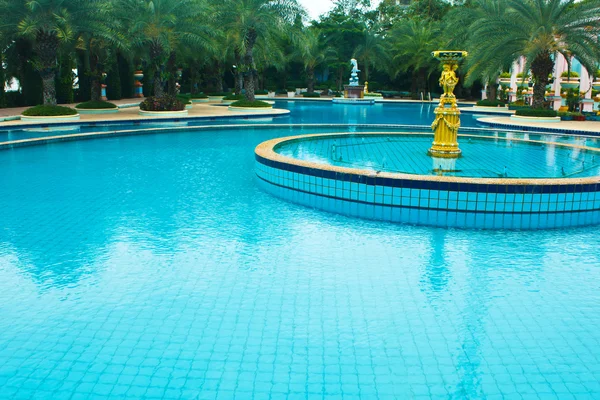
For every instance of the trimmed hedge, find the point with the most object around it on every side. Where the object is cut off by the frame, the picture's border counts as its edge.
(306, 94)
(261, 92)
(251, 104)
(90, 105)
(199, 96)
(49, 111)
(184, 98)
(219, 94)
(234, 97)
(491, 103)
(536, 112)
(164, 103)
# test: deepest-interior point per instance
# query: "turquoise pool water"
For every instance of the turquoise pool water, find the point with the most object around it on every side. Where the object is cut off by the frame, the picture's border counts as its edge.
(481, 157)
(154, 267)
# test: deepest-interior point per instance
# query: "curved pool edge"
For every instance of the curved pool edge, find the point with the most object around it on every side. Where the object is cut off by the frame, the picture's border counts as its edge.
(487, 203)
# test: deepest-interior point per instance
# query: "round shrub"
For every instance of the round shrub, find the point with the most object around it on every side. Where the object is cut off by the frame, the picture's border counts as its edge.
(95, 105)
(505, 75)
(184, 98)
(251, 104)
(49, 111)
(234, 97)
(163, 103)
(536, 112)
(568, 74)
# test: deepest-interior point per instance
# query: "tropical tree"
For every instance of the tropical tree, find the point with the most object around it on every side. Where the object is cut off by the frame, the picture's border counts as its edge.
(50, 23)
(255, 20)
(159, 27)
(372, 51)
(411, 43)
(538, 30)
(312, 51)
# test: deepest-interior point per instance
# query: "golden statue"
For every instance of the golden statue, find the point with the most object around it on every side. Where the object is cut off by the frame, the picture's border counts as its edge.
(448, 80)
(447, 115)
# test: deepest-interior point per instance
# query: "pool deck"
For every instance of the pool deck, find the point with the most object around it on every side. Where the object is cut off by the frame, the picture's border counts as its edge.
(130, 113)
(575, 127)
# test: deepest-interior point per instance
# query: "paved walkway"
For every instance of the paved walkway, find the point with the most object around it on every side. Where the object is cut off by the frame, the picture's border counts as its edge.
(562, 126)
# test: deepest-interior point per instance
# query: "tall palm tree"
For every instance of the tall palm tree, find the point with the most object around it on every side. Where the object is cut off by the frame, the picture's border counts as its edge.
(537, 30)
(411, 44)
(312, 50)
(160, 26)
(255, 20)
(372, 51)
(48, 23)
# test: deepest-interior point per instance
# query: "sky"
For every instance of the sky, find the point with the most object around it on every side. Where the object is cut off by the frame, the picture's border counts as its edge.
(318, 7)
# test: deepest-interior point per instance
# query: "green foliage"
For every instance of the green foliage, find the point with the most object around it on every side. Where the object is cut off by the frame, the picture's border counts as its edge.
(505, 75)
(569, 74)
(307, 94)
(184, 98)
(91, 105)
(49, 111)
(501, 31)
(199, 96)
(216, 94)
(491, 103)
(251, 104)
(163, 103)
(234, 97)
(536, 112)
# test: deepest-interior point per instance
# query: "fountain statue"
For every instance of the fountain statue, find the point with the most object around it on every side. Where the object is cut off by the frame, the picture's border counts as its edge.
(354, 93)
(447, 115)
(354, 73)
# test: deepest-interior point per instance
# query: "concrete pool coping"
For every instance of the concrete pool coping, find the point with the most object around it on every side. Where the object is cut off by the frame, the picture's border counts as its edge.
(568, 127)
(266, 150)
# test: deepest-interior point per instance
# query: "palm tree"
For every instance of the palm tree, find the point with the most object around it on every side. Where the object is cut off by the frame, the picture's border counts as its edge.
(411, 43)
(160, 26)
(312, 51)
(537, 30)
(255, 20)
(49, 23)
(372, 51)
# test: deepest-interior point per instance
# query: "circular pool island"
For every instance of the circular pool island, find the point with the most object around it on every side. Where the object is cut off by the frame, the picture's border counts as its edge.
(498, 183)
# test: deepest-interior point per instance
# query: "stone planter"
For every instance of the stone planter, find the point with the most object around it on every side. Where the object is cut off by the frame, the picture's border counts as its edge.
(534, 119)
(97, 110)
(572, 83)
(173, 114)
(227, 102)
(291, 94)
(57, 118)
(271, 95)
(505, 82)
(200, 100)
(189, 106)
(596, 85)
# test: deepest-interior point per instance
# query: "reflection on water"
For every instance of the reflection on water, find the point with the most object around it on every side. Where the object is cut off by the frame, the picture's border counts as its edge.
(148, 263)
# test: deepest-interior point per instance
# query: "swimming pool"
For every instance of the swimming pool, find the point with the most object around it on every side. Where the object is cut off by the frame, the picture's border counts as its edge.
(153, 266)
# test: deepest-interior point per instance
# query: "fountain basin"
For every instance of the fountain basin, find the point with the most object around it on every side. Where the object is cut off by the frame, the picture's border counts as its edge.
(390, 177)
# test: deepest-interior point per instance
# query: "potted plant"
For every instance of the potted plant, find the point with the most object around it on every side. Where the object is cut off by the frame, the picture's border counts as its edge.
(522, 80)
(291, 92)
(570, 80)
(596, 83)
(505, 79)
